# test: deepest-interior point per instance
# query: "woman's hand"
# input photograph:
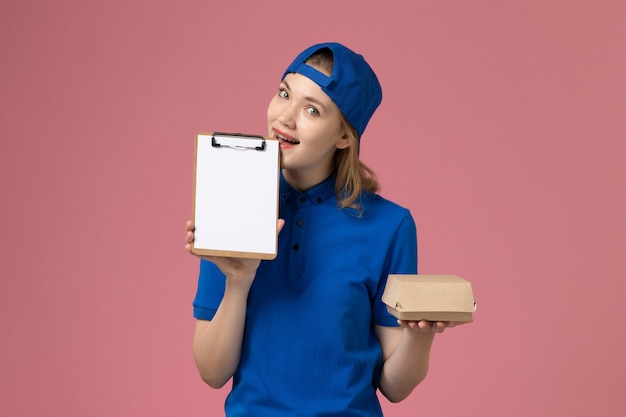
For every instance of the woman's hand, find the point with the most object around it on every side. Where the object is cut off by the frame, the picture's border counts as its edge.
(236, 269)
(424, 326)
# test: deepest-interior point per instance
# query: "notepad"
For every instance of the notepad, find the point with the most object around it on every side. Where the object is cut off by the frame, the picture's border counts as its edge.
(235, 209)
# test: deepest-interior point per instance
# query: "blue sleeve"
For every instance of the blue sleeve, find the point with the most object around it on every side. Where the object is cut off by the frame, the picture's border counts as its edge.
(401, 259)
(211, 284)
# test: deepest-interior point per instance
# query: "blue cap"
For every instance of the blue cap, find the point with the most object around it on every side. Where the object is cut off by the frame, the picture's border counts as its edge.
(352, 86)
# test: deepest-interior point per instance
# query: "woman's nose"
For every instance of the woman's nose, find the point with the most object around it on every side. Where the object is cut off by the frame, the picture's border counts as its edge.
(287, 116)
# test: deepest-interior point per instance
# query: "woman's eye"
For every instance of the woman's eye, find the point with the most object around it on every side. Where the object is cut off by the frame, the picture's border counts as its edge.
(283, 94)
(313, 111)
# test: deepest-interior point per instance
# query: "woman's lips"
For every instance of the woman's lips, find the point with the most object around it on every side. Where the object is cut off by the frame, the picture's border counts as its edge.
(285, 140)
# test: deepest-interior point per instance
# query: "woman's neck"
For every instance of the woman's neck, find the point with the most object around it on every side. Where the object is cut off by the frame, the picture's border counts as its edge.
(305, 180)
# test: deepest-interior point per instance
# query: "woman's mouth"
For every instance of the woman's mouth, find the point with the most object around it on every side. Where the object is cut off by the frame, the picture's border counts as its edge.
(285, 140)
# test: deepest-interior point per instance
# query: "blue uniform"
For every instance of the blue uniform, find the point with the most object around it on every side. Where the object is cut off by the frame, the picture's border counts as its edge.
(309, 346)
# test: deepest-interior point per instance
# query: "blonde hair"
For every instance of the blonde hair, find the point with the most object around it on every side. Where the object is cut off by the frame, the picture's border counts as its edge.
(353, 176)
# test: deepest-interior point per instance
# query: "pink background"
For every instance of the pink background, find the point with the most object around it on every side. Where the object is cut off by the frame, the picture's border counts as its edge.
(502, 128)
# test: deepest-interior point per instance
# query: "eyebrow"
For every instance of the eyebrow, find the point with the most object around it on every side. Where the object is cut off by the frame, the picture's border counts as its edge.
(307, 98)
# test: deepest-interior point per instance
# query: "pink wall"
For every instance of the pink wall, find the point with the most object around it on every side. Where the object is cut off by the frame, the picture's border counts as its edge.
(502, 128)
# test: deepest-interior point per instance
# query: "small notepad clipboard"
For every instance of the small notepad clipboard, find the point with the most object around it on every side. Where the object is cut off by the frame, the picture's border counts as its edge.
(235, 208)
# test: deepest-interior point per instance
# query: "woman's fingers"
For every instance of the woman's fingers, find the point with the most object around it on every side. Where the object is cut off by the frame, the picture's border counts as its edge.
(425, 326)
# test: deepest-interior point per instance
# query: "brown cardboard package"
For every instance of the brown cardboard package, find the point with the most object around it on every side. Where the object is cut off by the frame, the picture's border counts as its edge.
(429, 297)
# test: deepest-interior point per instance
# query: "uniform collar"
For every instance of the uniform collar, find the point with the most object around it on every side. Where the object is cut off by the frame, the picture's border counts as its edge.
(317, 194)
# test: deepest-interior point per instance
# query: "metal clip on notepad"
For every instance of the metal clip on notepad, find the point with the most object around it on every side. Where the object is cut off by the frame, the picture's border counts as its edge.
(238, 141)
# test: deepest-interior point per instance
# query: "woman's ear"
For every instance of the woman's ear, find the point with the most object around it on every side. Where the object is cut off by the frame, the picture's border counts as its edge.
(344, 140)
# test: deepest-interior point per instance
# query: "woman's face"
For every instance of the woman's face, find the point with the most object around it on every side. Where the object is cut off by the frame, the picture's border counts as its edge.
(309, 127)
